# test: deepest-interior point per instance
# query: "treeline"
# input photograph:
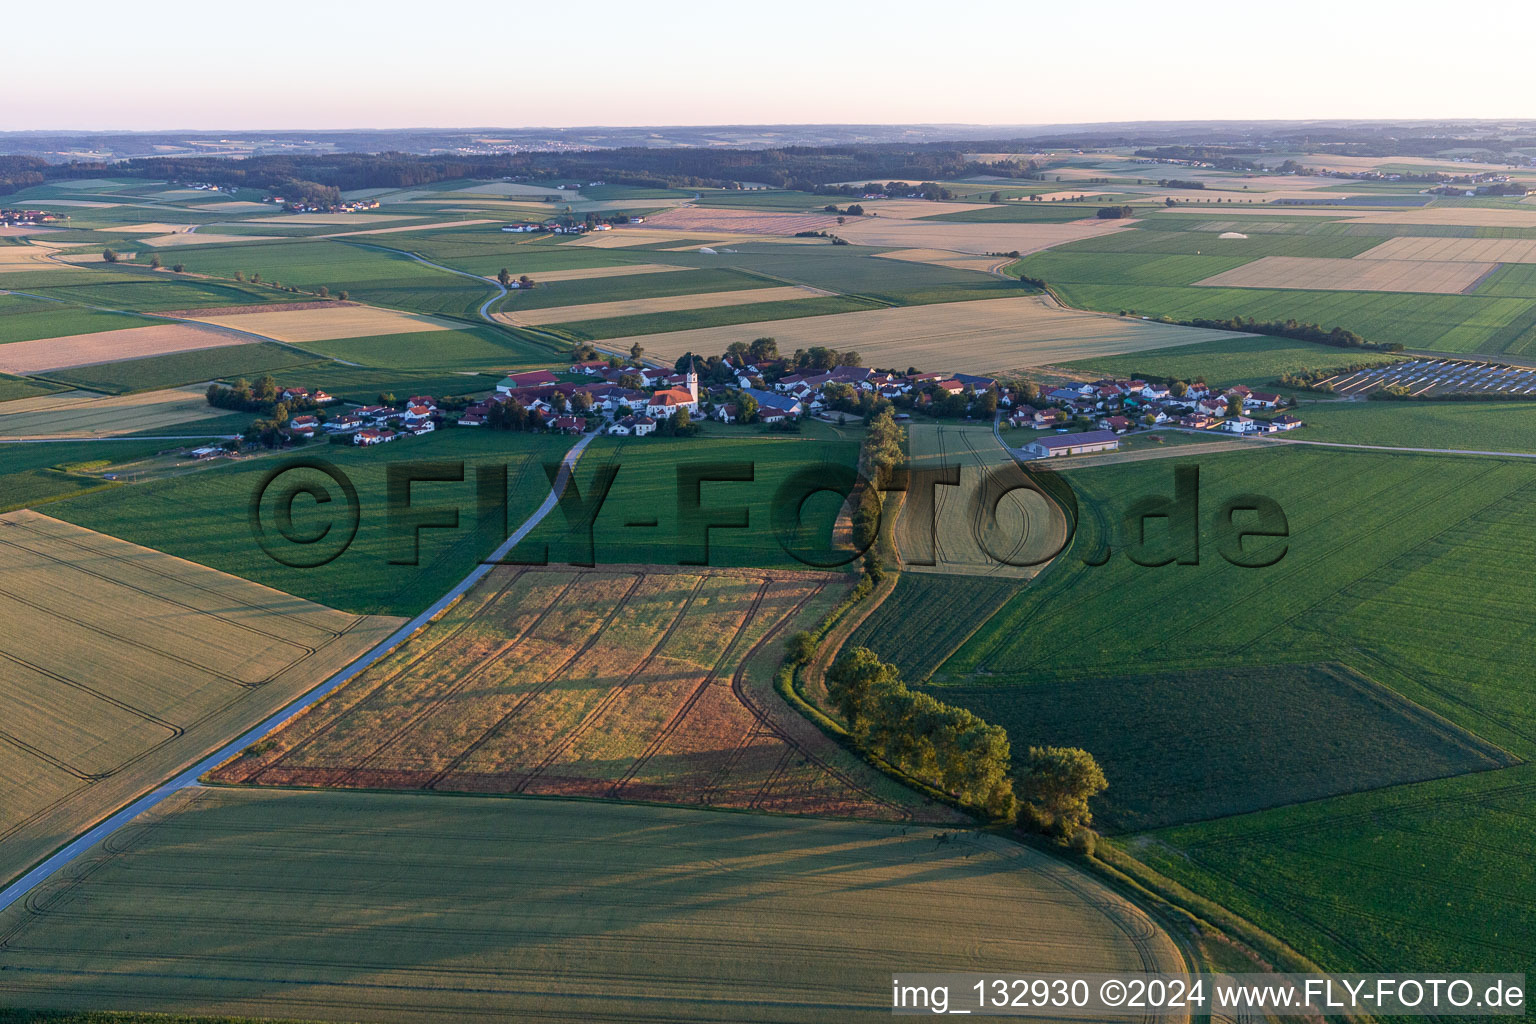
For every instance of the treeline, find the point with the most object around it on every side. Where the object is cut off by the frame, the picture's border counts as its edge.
(1294, 329)
(19, 172)
(879, 454)
(1115, 212)
(1222, 157)
(798, 167)
(948, 747)
(1180, 183)
(242, 396)
(1312, 380)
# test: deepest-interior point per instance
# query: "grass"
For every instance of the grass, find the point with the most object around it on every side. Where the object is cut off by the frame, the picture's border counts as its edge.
(177, 368)
(643, 521)
(28, 477)
(618, 289)
(718, 316)
(204, 517)
(630, 684)
(167, 660)
(470, 349)
(12, 388)
(545, 908)
(1034, 213)
(1229, 361)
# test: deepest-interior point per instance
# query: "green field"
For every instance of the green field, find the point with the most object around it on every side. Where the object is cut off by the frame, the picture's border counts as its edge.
(1229, 361)
(469, 349)
(204, 517)
(177, 368)
(1153, 271)
(1036, 213)
(1409, 570)
(1483, 426)
(927, 617)
(12, 388)
(646, 490)
(29, 475)
(236, 901)
(717, 316)
(616, 289)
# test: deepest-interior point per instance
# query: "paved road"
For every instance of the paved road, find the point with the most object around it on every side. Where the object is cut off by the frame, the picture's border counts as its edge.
(83, 842)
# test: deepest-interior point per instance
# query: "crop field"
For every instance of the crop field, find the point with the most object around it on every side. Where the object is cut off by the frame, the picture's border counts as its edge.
(167, 659)
(748, 222)
(459, 351)
(1402, 879)
(994, 522)
(212, 525)
(326, 323)
(1493, 426)
(977, 337)
(35, 474)
(1470, 216)
(610, 290)
(22, 258)
(1162, 286)
(634, 326)
(660, 304)
(1471, 250)
(1217, 742)
(1247, 360)
(75, 414)
(596, 273)
(927, 617)
(233, 901)
(945, 258)
(183, 238)
(941, 233)
(23, 357)
(624, 683)
(168, 371)
(1442, 277)
(1406, 570)
(13, 388)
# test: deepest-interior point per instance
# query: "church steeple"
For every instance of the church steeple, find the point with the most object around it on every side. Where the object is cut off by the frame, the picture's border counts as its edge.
(691, 379)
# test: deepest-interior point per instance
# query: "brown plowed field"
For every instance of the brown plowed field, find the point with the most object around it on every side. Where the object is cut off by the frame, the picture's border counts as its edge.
(618, 682)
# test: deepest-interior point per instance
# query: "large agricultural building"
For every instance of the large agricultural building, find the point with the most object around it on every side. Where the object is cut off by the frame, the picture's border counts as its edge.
(1073, 444)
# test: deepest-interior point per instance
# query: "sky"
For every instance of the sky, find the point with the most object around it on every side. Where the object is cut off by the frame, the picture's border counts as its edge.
(320, 64)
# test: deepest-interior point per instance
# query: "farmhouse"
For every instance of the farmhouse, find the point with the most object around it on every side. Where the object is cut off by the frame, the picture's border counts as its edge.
(633, 426)
(1073, 444)
(530, 379)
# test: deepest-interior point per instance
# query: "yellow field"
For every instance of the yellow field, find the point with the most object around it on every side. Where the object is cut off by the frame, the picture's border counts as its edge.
(22, 258)
(946, 258)
(1473, 250)
(408, 909)
(690, 219)
(204, 238)
(973, 238)
(1352, 275)
(986, 335)
(1053, 197)
(993, 524)
(1226, 210)
(1467, 216)
(658, 304)
(298, 325)
(22, 357)
(164, 661)
(81, 414)
(152, 228)
(584, 273)
(410, 227)
(914, 209)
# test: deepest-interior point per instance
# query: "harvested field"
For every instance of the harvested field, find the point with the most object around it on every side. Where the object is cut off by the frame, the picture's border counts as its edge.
(584, 273)
(994, 522)
(1353, 275)
(361, 220)
(233, 205)
(967, 337)
(259, 307)
(659, 304)
(914, 209)
(1472, 250)
(165, 661)
(26, 258)
(387, 908)
(687, 219)
(946, 258)
(410, 227)
(333, 320)
(153, 228)
(81, 414)
(973, 237)
(22, 357)
(1470, 216)
(204, 238)
(637, 684)
(23, 230)
(1053, 197)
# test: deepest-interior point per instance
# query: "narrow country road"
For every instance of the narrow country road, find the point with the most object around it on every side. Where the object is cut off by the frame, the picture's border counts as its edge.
(66, 854)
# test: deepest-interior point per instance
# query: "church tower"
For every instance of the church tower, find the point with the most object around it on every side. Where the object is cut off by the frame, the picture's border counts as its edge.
(691, 380)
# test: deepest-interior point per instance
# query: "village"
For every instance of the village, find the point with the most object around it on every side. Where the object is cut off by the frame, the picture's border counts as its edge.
(628, 399)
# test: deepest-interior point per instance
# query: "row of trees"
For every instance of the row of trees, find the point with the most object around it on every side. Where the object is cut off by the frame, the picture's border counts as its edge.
(243, 396)
(960, 753)
(1337, 336)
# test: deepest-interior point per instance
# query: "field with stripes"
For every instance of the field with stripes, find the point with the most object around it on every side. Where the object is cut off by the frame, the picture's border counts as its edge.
(620, 682)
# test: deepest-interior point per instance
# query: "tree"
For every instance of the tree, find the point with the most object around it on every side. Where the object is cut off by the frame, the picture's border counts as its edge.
(636, 351)
(855, 210)
(110, 255)
(581, 403)
(324, 292)
(504, 276)
(344, 296)
(154, 262)
(746, 406)
(1178, 389)
(525, 281)
(801, 648)
(179, 268)
(764, 350)
(1058, 783)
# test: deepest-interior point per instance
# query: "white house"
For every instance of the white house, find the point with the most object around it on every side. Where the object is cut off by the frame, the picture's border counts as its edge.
(633, 426)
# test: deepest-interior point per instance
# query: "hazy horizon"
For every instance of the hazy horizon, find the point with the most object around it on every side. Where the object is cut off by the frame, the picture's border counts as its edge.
(606, 64)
